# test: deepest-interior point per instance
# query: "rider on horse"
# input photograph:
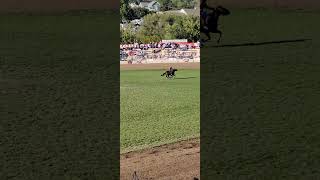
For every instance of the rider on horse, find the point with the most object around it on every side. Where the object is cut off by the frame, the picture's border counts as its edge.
(203, 13)
(170, 73)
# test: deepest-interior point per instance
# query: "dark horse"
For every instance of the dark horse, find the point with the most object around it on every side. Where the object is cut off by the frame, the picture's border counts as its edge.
(209, 23)
(170, 74)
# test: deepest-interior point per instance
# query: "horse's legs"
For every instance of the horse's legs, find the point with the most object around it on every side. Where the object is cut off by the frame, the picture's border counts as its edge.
(208, 35)
(220, 35)
(206, 32)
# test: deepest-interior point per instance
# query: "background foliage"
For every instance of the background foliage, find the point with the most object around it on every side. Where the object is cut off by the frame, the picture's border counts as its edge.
(163, 26)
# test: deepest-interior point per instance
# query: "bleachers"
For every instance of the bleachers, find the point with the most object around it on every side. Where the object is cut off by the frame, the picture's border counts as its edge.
(165, 54)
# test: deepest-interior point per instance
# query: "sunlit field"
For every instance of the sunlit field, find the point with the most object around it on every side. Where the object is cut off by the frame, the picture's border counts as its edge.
(155, 110)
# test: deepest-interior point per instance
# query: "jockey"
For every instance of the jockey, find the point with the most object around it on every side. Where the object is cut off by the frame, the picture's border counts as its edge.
(204, 5)
(170, 70)
(203, 13)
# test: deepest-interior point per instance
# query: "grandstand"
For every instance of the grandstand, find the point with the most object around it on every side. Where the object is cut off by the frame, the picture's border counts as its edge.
(166, 51)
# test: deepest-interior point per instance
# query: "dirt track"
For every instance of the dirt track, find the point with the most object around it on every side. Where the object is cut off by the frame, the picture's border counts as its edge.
(159, 66)
(172, 161)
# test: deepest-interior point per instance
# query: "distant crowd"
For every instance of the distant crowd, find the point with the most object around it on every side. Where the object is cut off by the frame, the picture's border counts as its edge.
(160, 50)
(159, 45)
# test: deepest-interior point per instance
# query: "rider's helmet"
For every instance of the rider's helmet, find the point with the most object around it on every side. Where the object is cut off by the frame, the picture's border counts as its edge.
(203, 3)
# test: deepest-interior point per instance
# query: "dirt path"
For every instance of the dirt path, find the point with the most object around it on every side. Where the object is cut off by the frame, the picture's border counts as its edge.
(159, 66)
(168, 162)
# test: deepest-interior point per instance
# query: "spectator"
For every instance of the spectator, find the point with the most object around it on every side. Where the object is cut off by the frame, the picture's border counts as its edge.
(159, 49)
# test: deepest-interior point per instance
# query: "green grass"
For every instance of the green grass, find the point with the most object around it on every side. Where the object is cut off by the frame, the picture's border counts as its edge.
(260, 102)
(57, 83)
(155, 110)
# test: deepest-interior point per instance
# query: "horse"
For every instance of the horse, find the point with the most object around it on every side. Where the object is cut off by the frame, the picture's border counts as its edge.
(170, 74)
(211, 22)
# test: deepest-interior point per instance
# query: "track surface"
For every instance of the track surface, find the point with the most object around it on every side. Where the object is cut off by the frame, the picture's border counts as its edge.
(173, 161)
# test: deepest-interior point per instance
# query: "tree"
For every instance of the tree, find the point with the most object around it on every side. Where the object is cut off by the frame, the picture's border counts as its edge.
(169, 26)
(124, 9)
(191, 28)
(151, 30)
(128, 13)
(184, 3)
(165, 5)
(127, 35)
(176, 4)
(139, 12)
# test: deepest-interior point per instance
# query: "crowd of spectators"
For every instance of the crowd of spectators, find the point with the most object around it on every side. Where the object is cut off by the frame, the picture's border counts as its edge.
(158, 50)
(159, 45)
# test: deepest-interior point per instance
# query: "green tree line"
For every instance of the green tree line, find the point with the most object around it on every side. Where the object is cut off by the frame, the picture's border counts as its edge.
(157, 27)
(176, 4)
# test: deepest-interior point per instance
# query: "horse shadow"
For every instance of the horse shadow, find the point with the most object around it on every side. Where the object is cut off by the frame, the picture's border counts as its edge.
(260, 43)
(186, 78)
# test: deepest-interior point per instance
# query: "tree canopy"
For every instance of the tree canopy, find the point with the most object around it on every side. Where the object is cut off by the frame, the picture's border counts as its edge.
(155, 26)
(163, 26)
(128, 13)
(176, 4)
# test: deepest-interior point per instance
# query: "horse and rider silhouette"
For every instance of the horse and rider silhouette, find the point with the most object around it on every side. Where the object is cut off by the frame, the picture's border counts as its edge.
(209, 17)
(170, 73)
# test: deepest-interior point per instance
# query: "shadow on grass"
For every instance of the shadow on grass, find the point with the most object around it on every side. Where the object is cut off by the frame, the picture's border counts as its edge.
(260, 43)
(186, 78)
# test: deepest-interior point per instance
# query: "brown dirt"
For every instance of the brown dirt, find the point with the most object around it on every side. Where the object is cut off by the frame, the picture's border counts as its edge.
(172, 161)
(159, 66)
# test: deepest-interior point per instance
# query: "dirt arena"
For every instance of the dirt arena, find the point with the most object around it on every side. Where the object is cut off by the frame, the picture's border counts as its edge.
(172, 161)
(159, 66)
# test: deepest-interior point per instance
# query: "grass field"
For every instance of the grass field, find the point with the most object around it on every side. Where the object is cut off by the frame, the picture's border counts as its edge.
(58, 80)
(155, 110)
(260, 94)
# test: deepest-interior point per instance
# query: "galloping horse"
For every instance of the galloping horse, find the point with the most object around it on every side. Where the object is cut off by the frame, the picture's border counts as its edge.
(209, 24)
(170, 74)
